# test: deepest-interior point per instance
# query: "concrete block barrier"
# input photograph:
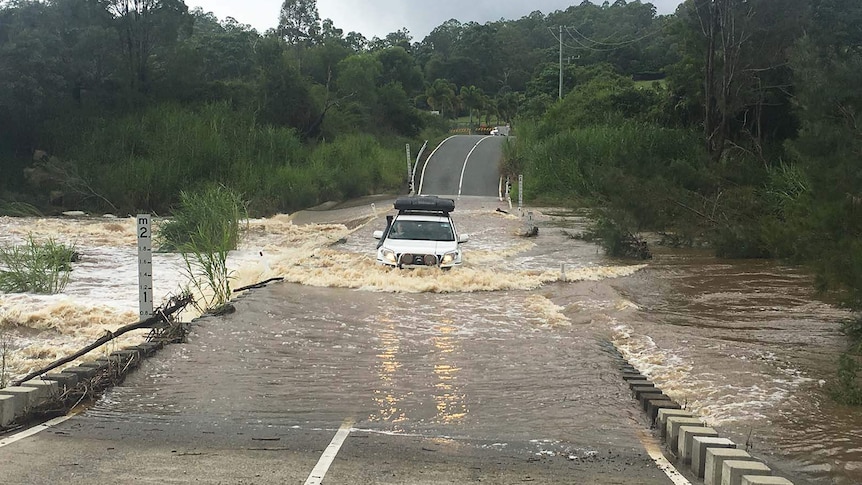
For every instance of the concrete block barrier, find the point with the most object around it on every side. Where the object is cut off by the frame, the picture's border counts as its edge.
(26, 397)
(715, 458)
(126, 356)
(686, 440)
(650, 396)
(7, 410)
(664, 414)
(83, 372)
(640, 389)
(64, 380)
(732, 471)
(699, 445)
(98, 366)
(653, 406)
(672, 429)
(764, 480)
(637, 381)
(47, 389)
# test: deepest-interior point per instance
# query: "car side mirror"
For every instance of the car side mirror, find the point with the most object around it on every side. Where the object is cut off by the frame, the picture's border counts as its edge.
(463, 238)
(378, 234)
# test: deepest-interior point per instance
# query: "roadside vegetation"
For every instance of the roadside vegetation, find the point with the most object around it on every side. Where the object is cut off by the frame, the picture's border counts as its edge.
(206, 226)
(741, 136)
(36, 267)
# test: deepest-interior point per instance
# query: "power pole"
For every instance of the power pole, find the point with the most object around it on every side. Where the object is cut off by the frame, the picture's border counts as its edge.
(561, 62)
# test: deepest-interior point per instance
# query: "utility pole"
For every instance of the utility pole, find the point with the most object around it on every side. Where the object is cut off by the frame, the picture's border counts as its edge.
(561, 62)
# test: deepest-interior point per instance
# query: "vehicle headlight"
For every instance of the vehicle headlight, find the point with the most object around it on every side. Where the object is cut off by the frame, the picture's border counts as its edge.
(449, 258)
(388, 255)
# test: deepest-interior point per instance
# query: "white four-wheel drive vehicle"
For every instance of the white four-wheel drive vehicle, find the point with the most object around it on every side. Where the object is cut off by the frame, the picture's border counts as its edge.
(422, 234)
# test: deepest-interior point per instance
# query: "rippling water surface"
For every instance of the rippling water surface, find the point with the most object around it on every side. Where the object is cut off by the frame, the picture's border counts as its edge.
(506, 343)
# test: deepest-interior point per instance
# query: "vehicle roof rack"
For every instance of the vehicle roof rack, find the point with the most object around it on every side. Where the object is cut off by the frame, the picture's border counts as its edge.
(428, 203)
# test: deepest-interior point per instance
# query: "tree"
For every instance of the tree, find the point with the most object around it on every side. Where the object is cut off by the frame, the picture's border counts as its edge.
(508, 105)
(400, 38)
(400, 67)
(147, 26)
(742, 45)
(284, 94)
(441, 97)
(298, 21)
(472, 98)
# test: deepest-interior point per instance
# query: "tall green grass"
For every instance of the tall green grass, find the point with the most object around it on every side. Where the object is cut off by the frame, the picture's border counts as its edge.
(207, 225)
(210, 219)
(144, 161)
(36, 267)
(19, 209)
(587, 161)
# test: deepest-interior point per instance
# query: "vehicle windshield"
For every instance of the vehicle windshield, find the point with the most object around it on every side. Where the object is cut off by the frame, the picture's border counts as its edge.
(422, 230)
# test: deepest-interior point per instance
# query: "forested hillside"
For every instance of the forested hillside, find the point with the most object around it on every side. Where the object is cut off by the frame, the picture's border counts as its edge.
(732, 123)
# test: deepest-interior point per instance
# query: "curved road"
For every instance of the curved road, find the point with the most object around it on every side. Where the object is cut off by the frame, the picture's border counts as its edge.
(464, 165)
(310, 385)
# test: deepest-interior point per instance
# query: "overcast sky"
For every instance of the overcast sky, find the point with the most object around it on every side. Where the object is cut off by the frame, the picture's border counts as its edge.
(379, 17)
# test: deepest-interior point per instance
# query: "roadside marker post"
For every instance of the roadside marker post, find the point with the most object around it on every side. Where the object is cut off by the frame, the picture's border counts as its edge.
(520, 192)
(145, 266)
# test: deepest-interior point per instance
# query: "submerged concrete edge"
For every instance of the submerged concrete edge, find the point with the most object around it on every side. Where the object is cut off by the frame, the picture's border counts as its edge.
(688, 441)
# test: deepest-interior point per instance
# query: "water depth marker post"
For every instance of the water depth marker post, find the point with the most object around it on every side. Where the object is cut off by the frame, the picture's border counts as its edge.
(145, 266)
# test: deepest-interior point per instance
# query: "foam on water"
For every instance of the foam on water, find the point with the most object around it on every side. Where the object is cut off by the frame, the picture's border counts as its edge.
(750, 389)
(102, 294)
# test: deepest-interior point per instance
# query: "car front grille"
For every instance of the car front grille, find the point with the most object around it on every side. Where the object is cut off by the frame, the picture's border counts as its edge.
(418, 260)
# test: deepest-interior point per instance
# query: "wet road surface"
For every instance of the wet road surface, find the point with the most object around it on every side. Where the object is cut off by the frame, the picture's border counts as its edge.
(434, 397)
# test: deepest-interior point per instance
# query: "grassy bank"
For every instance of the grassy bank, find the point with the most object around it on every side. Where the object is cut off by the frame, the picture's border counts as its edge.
(144, 161)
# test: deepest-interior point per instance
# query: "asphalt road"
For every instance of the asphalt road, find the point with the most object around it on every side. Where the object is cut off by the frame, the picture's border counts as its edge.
(464, 165)
(258, 396)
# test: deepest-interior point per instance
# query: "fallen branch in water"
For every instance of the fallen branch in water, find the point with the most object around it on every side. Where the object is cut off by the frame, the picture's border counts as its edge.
(161, 316)
(257, 285)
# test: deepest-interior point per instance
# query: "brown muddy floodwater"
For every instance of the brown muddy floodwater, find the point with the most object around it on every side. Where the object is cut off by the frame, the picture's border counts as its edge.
(504, 343)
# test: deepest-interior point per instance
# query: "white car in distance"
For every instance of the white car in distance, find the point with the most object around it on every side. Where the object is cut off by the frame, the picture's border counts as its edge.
(422, 234)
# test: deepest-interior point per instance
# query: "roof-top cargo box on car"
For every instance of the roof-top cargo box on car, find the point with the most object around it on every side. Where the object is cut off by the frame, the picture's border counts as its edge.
(425, 203)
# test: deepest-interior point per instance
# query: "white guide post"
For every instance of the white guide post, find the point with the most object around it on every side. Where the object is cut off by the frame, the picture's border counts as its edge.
(145, 266)
(520, 192)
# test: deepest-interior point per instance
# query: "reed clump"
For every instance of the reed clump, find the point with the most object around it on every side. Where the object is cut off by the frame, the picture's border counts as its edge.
(36, 267)
(208, 224)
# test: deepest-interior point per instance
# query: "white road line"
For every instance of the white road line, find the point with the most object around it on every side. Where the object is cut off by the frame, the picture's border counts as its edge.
(464, 168)
(655, 453)
(316, 476)
(35, 429)
(422, 177)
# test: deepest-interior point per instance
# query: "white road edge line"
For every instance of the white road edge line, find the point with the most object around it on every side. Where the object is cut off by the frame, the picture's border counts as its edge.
(35, 429)
(422, 177)
(655, 453)
(319, 471)
(464, 168)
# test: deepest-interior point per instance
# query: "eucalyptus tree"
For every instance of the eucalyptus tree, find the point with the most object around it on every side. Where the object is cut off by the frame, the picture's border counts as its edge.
(400, 38)
(827, 66)
(299, 22)
(147, 27)
(740, 48)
